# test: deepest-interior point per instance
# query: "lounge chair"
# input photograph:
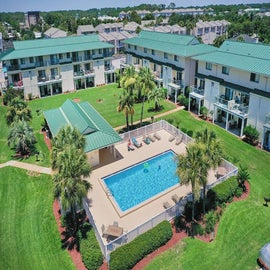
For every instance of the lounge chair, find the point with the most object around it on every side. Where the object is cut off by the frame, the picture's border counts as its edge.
(166, 205)
(176, 198)
(172, 137)
(136, 143)
(157, 136)
(146, 140)
(151, 138)
(178, 139)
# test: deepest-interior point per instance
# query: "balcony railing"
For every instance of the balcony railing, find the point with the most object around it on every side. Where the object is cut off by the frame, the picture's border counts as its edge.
(109, 68)
(44, 79)
(197, 90)
(65, 60)
(28, 66)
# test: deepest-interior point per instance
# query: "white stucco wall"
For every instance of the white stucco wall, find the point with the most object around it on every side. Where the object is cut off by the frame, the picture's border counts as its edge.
(93, 157)
(66, 72)
(210, 92)
(99, 72)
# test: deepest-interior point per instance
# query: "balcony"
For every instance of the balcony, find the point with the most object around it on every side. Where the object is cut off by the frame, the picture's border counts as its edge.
(240, 110)
(27, 66)
(97, 56)
(109, 69)
(77, 59)
(83, 74)
(17, 84)
(196, 91)
(65, 61)
(175, 84)
(13, 68)
(51, 78)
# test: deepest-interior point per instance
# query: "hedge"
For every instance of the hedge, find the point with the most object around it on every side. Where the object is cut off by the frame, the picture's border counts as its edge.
(127, 256)
(223, 192)
(90, 251)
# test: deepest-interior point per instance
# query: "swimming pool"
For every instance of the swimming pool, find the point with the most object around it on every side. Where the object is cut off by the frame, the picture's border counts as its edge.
(142, 181)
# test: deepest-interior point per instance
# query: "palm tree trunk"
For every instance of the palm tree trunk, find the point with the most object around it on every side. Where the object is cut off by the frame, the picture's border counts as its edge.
(204, 198)
(142, 110)
(127, 122)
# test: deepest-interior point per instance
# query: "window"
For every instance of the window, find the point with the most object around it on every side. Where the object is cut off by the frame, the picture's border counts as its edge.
(165, 55)
(208, 66)
(225, 70)
(153, 52)
(145, 50)
(176, 58)
(22, 61)
(129, 46)
(155, 67)
(135, 48)
(31, 59)
(254, 77)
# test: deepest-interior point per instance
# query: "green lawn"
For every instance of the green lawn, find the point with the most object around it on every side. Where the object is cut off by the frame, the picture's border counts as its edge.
(243, 228)
(107, 108)
(29, 237)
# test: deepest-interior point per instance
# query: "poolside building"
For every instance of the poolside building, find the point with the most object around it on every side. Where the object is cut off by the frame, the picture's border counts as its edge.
(169, 56)
(234, 83)
(99, 135)
(51, 66)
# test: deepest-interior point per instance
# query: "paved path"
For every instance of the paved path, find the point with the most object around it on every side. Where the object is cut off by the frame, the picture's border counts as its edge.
(27, 166)
(178, 108)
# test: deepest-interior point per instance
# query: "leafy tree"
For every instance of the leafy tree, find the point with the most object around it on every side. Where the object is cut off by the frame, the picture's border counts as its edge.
(204, 112)
(134, 17)
(128, 80)
(146, 84)
(219, 40)
(21, 136)
(18, 111)
(189, 169)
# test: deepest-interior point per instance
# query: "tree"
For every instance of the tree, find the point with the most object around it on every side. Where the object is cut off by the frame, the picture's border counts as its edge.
(70, 162)
(125, 105)
(18, 111)
(189, 169)
(212, 156)
(219, 40)
(146, 84)
(242, 176)
(128, 80)
(21, 136)
(69, 184)
(156, 94)
(66, 136)
(251, 135)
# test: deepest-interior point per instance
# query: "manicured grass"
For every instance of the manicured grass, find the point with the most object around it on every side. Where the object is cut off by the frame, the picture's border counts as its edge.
(243, 228)
(29, 237)
(109, 96)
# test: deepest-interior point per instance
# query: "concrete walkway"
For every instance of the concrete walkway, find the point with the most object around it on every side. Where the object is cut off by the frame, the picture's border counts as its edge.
(178, 108)
(27, 166)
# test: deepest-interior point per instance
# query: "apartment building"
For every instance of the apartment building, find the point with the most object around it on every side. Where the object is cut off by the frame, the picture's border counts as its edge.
(109, 27)
(168, 56)
(86, 29)
(31, 18)
(51, 66)
(234, 84)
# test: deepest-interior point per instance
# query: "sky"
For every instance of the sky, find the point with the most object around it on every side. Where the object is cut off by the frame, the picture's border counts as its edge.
(52, 5)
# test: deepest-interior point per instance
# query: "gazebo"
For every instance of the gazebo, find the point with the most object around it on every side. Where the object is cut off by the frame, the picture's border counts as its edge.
(97, 131)
(264, 257)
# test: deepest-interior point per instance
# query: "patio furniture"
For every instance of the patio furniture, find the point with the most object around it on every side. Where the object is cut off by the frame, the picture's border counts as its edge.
(172, 137)
(178, 139)
(113, 232)
(176, 198)
(157, 136)
(130, 146)
(146, 140)
(166, 205)
(136, 143)
(151, 138)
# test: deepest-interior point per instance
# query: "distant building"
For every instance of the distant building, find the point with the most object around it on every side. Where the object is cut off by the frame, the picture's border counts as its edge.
(109, 27)
(1, 42)
(171, 29)
(246, 38)
(31, 18)
(86, 29)
(131, 27)
(54, 33)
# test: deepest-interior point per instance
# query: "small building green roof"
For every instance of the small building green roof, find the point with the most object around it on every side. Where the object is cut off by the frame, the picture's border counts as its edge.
(41, 47)
(250, 57)
(97, 131)
(182, 45)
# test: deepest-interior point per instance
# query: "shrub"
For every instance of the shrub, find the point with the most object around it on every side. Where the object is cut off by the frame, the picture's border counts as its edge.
(184, 130)
(183, 100)
(90, 250)
(242, 176)
(211, 220)
(204, 112)
(127, 256)
(190, 133)
(223, 192)
(197, 229)
(251, 135)
(238, 192)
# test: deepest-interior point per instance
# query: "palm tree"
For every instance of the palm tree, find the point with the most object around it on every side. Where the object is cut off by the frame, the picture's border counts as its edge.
(212, 156)
(65, 137)
(156, 94)
(146, 84)
(69, 184)
(22, 137)
(189, 168)
(128, 80)
(125, 105)
(18, 110)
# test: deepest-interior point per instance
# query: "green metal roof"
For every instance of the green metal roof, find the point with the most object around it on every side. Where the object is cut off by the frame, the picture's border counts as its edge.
(250, 57)
(40, 47)
(181, 45)
(97, 131)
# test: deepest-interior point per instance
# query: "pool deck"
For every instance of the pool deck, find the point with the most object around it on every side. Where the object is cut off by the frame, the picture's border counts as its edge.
(100, 202)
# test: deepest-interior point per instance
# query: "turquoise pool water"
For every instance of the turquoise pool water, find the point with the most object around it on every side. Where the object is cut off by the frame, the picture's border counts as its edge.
(142, 181)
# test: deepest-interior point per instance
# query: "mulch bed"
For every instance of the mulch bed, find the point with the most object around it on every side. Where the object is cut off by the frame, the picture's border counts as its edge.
(77, 100)
(176, 238)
